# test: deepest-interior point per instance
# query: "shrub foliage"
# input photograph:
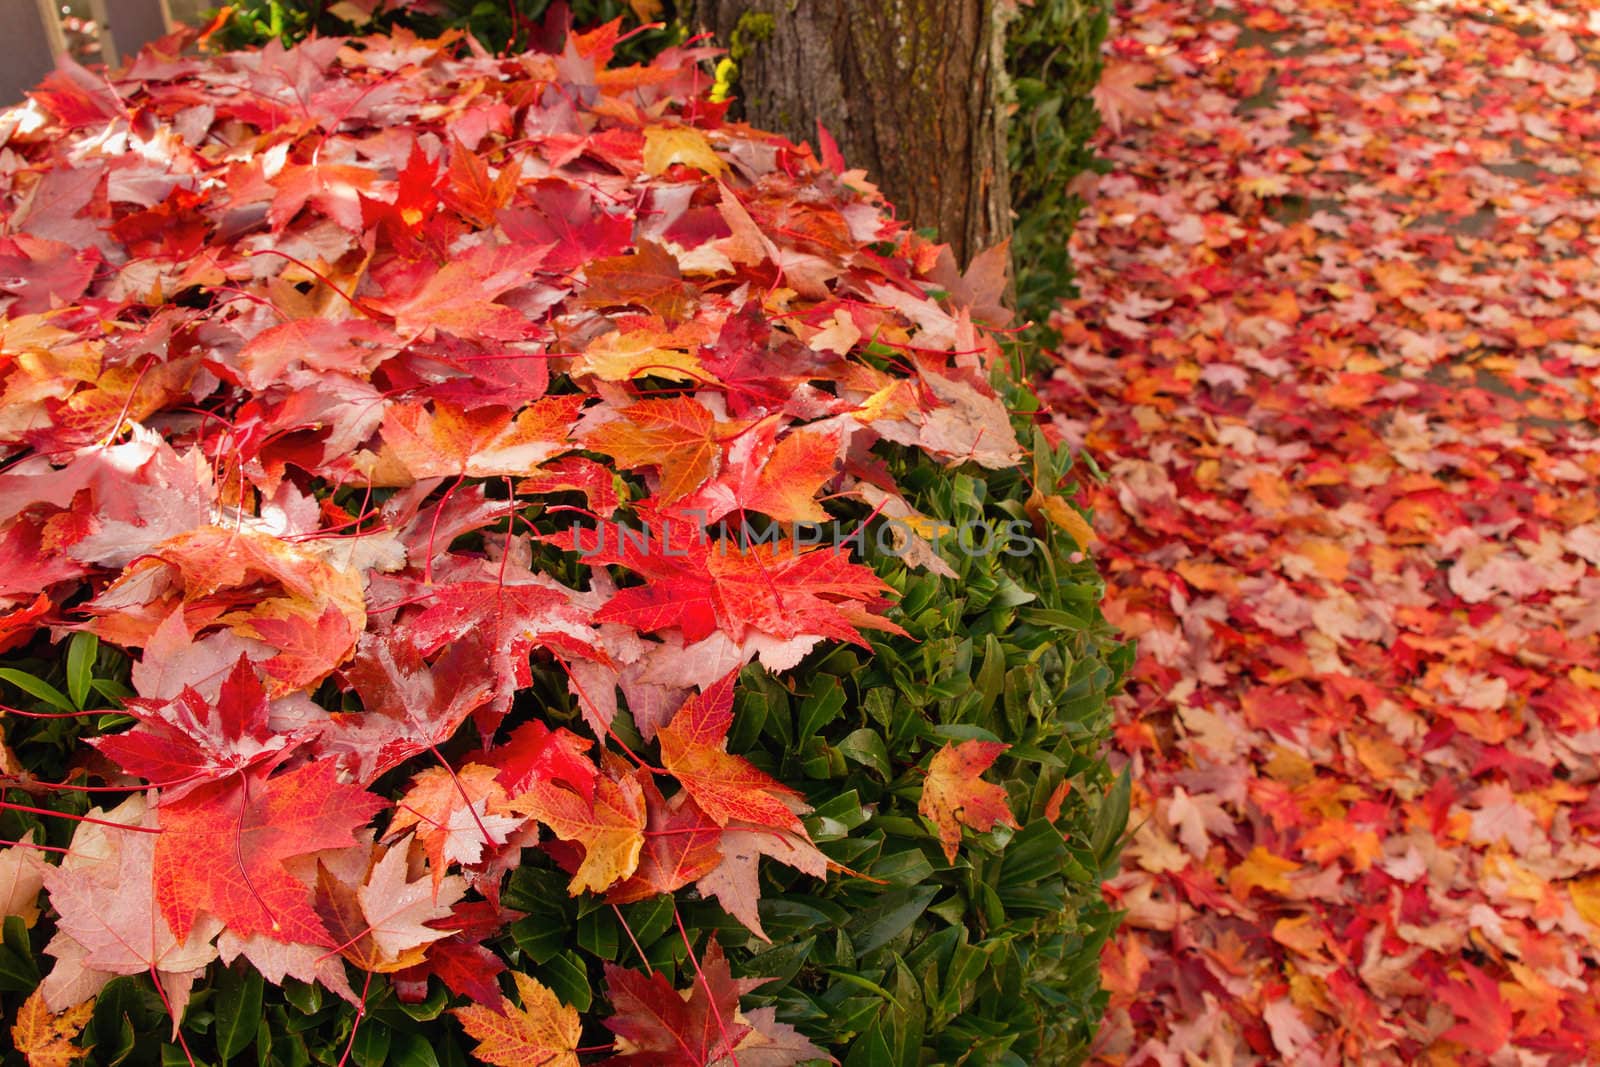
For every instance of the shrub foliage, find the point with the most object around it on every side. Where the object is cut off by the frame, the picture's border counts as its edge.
(328, 370)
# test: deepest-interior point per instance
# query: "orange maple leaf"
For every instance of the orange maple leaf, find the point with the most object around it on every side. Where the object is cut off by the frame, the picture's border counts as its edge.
(954, 794)
(45, 1039)
(679, 436)
(611, 829)
(543, 1031)
(694, 748)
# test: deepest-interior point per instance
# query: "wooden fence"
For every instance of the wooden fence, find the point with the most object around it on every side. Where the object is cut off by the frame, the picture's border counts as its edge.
(32, 36)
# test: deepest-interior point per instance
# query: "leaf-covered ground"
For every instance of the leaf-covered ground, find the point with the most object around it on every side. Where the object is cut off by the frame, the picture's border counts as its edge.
(1337, 350)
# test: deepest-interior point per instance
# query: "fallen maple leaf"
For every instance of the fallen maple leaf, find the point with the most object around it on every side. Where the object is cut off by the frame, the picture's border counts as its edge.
(108, 922)
(248, 826)
(678, 436)
(21, 877)
(1483, 1017)
(660, 1025)
(45, 1039)
(666, 145)
(542, 1031)
(734, 880)
(610, 828)
(181, 744)
(681, 845)
(648, 278)
(725, 786)
(460, 959)
(449, 809)
(954, 794)
(382, 924)
(1117, 94)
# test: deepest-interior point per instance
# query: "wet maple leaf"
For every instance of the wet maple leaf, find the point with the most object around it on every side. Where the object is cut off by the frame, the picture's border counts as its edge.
(541, 1031)
(459, 298)
(779, 589)
(460, 959)
(575, 474)
(108, 922)
(610, 828)
(212, 565)
(534, 752)
(955, 795)
(694, 749)
(46, 1039)
(778, 480)
(482, 442)
(411, 706)
(317, 344)
(681, 845)
(249, 825)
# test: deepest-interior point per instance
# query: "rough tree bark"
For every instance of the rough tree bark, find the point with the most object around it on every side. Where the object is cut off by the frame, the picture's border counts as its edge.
(909, 88)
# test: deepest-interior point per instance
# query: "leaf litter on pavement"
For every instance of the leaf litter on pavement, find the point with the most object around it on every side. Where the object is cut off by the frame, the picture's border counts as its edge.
(1336, 349)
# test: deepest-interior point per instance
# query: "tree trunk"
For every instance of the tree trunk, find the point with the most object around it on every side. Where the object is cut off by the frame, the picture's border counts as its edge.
(909, 88)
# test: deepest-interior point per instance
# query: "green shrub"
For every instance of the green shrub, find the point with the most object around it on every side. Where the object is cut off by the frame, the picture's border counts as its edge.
(140, 373)
(1053, 62)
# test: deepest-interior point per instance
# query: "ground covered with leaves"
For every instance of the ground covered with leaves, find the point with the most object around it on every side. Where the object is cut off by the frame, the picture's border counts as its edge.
(1337, 351)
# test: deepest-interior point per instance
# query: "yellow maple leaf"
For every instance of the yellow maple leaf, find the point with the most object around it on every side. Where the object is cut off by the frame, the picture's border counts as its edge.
(666, 145)
(1262, 186)
(543, 1031)
(618, 357)
(46, 1039)
(1057, 510)
(1585, 895)
(1261, 870)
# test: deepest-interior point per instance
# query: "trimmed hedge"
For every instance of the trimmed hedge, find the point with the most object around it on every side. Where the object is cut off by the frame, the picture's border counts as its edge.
(899, 956)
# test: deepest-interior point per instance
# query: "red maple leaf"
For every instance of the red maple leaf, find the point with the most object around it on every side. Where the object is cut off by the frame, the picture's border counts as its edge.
(222, 848)
(411, 706)
(181, 744)
(725, 786)
(534, 752)
(1483, 1017)
(460, 960)
(701, 586)
(669, 1029)
(565, 215)
(680, 846)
